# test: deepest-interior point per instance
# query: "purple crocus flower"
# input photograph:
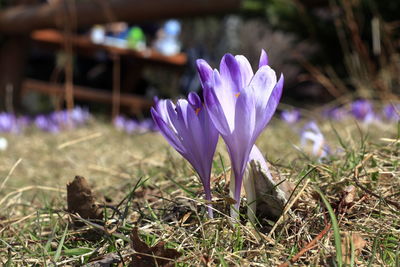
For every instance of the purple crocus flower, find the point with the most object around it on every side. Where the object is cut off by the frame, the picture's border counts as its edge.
(290, 116)
(240, 104)
(131, 126)
(7, 122)
(392, 112)
(23, 122)
(312, 133)
(119, 123)
(336, 113)
(79, 116)
(362, 110)
(188, 128)
(146, 125)
(44, 123)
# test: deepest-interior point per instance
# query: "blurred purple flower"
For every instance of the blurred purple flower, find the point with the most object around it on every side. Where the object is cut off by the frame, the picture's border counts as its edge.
(240, 104)
(79, 116)
(362, 110)
(290, 116)
(45, 123)
(147, 125)
(312, 133)
(188, 128)
(119, 123)
(337, 113)
(23, 122)
(7, 122)
(131, 126)
(392, 112)
(63, 119)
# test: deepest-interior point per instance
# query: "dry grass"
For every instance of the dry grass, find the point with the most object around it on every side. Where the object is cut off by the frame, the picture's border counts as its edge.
(154, 189)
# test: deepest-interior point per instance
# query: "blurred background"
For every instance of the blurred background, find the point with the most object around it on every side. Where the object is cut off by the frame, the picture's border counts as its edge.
(113, 57)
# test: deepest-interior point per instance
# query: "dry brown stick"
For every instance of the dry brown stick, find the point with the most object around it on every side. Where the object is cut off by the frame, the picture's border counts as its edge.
(310, 245)
(393, 203)
(356, 175)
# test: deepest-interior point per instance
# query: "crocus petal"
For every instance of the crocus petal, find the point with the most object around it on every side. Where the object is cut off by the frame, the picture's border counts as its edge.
(240, 143)
(265, 113)
(263, 59)
(220, 107)
(205, 73)
(167, 131)
(194, 100)
(245, 70)
(231, 74)
(263, 84)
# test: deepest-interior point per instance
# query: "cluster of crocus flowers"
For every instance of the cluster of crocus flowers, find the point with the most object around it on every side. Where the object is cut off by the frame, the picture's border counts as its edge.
(238, 104)
(57, 121)
(9, 123)
(131, 126)
(54, 122)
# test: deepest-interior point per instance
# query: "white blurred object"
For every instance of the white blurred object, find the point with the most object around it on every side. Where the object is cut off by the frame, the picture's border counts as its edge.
(3, 144)
(97, 34)
(312, 133)
(115, 42)
(168, 43)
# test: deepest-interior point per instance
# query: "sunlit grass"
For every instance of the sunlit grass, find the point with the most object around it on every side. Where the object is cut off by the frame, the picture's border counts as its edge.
(149, 185)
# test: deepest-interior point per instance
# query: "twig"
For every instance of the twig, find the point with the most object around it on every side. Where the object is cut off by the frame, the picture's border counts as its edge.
(10, 173)
(79, 140)
(288, 207)
(393, 203)
(356, 175)
(310, 245)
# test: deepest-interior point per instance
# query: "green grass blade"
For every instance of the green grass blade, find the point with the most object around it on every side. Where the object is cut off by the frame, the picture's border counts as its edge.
(53, 234)
(374, 249)
(353, 252)
(60, 245)
(335, 226)
(74, 251)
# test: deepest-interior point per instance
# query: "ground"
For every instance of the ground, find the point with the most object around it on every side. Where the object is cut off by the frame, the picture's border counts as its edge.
(143, 183)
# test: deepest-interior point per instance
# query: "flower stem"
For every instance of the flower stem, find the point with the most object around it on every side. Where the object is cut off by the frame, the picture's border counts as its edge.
(209, 205)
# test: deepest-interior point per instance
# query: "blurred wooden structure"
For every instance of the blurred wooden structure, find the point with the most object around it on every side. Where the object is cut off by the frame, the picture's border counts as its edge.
(136, 104)
(81, 44)
(54, 39)
(83, 13)
(18, 22)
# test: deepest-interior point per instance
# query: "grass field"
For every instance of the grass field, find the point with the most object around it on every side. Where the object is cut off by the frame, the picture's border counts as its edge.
(142, 182)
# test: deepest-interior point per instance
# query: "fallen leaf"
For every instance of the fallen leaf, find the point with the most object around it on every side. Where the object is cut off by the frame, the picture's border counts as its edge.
(147, 256)
(81, 200)
(185, 217)
(358, 244)
(271, 194)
